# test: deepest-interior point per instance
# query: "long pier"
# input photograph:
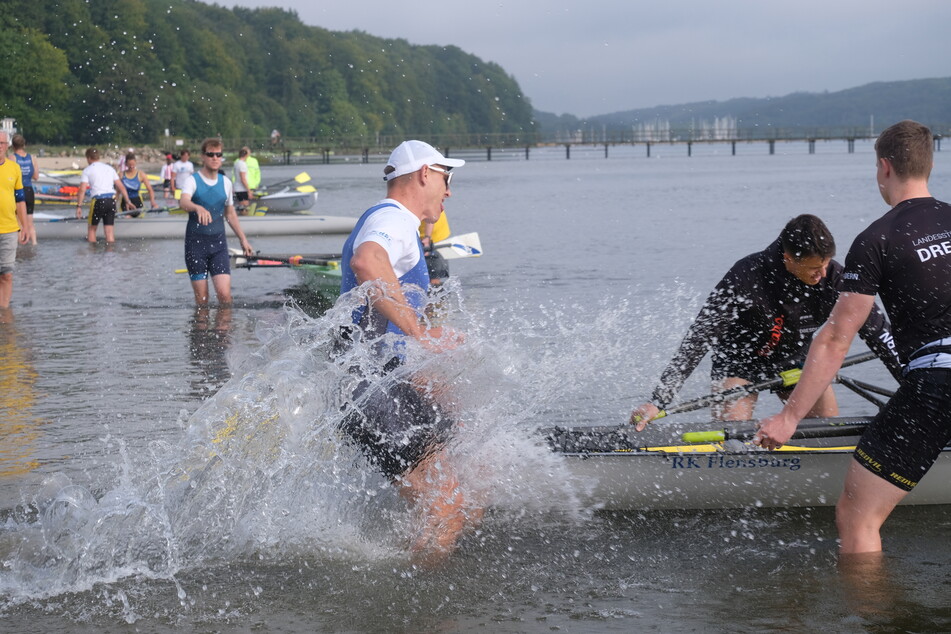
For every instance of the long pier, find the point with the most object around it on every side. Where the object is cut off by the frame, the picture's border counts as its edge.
(488, 147)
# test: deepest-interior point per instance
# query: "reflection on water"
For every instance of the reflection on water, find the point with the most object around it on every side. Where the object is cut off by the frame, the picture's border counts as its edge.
(209, 340)
(19, 428)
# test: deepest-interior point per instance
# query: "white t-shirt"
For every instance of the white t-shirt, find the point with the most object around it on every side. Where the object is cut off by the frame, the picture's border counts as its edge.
(240, 167)
(181, 169)
(101, 179)
(188, 186)
(395, 229)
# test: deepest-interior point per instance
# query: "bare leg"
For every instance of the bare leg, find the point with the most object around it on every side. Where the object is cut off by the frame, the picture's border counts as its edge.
(434, 488)
(865, 504)
(29, 223)
(222, 289)
(200, 287)
(734, 409)
(91, 233)
(6, 289)
(110, 233)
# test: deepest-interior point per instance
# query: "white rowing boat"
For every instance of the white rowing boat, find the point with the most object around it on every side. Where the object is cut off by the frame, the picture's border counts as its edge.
(287, 201)
(617, 468)
(173, 226)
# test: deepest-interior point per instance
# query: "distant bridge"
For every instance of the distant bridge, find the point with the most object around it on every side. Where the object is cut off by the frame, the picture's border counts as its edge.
(327, 150)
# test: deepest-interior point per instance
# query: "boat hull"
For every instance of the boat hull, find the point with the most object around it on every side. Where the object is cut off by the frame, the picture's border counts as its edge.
(287, 202)
(173, 226)
(807, 473)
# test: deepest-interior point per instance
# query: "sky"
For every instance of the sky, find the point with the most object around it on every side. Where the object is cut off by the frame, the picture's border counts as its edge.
(601, 56)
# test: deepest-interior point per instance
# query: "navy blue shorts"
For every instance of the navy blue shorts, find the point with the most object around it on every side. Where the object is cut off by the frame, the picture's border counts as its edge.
(907, 435)
(207, 255)
(394, 424)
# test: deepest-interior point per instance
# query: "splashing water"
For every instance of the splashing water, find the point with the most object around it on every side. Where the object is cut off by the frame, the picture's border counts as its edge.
(262, 471)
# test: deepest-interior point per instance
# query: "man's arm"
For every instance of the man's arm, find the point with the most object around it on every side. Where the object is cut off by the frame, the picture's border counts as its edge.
(826, 353)
(371, 262)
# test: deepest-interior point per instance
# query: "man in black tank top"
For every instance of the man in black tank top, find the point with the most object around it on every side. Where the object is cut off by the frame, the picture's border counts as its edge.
(760, 320)
(905, 258)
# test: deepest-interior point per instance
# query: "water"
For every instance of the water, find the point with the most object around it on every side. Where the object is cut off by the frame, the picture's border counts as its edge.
(141, 484)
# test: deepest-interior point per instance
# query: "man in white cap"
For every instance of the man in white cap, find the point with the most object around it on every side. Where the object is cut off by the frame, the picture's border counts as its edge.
(397, 424)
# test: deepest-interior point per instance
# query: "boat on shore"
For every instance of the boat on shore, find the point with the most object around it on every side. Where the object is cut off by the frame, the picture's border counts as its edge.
(159, 226)
(617, 468)
(286, 201)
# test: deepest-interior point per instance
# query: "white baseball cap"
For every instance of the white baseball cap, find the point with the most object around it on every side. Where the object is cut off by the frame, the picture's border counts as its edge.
(410, 156)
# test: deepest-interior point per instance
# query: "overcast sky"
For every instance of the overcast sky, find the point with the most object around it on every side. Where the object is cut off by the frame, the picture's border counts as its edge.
(599, 56)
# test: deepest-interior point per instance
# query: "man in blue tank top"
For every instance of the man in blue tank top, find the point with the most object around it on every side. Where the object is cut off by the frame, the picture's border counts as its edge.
(399, 425)
(208, 198)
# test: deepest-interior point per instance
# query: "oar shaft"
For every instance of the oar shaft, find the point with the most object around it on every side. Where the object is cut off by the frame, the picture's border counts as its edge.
(790, 379)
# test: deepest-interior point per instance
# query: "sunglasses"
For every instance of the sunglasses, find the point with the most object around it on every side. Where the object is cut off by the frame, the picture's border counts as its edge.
(446, 173)
(214, 154)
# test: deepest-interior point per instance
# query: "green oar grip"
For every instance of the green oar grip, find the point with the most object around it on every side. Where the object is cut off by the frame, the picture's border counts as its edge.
(704, 436)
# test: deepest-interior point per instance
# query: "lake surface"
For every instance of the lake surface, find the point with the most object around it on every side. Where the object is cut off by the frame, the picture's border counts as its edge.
(163, 469)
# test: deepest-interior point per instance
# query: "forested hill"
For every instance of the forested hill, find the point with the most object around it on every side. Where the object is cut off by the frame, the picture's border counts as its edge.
(83, 71)
(873, 105)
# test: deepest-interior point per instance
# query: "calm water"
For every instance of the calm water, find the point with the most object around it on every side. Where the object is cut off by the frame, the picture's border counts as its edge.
(177, 470)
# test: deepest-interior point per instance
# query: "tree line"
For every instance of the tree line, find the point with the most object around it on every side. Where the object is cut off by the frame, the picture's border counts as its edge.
(125, 71)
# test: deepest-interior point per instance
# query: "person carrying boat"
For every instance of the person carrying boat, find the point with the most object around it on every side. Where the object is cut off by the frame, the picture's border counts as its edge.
(398, 424)
(133, 179)
(208, 198)
(254, 170)
(13, 227)
(103, 182)
(29, 169)
(760, 319)
(905, 258)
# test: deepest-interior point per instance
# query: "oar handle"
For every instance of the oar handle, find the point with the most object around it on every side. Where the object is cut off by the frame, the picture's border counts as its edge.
(787, 378)
(827, 428)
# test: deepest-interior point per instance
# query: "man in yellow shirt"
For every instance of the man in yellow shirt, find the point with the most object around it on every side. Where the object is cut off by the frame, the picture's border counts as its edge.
(12, 219)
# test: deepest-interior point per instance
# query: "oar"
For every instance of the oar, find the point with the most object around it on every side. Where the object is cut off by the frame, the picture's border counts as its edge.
(814, 428)
(788, 378)
(466, 245)
(154, 210)
(301, 178)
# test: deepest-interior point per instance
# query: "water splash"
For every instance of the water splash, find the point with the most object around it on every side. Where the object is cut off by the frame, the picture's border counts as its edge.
(262, 472)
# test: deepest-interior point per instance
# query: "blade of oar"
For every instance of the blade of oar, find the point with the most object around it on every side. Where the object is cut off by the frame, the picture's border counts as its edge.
(301, 178)
(789, 378)
(809, 428)
(306, 189)
(466, 245)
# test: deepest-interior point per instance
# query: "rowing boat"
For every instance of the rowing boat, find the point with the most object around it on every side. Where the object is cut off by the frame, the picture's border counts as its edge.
(618, 468)
(173, 226)
(287, 201)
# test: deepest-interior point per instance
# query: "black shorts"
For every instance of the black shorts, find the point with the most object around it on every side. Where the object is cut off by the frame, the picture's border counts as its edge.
(103, 209)
(907, 435)
(136, 204)
(29, 197)
(241, 196)
(394, 424)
